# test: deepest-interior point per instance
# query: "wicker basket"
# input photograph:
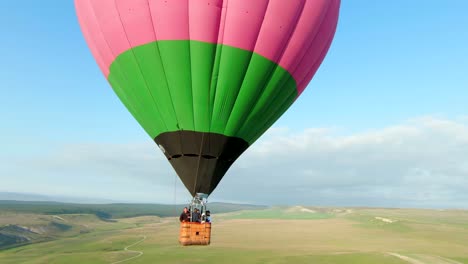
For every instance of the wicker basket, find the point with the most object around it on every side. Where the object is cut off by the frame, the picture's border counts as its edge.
(194, 233)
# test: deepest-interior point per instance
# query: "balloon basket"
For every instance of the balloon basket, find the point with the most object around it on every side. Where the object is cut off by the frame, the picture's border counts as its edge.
(194, 233)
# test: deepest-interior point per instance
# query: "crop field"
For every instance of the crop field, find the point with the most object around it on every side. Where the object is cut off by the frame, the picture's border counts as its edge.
(274, 235)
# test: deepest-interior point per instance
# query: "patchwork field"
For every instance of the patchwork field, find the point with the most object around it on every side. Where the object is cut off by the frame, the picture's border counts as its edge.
(274, 235)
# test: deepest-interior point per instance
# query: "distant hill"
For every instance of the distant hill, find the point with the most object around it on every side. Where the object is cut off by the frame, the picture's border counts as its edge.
(110, 211)
(23, 196)
(48, 198)
(26, 222)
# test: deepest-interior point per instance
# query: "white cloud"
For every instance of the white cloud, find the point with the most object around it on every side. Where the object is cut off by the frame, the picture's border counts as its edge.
(420, 163)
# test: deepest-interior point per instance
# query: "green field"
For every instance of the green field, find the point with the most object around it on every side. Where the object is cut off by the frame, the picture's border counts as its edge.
(274, 235)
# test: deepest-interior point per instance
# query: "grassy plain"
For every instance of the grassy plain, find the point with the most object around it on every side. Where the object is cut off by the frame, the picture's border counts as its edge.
(275, 235)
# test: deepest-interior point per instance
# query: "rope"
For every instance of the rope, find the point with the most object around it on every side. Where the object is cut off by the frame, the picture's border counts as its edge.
(175, 194)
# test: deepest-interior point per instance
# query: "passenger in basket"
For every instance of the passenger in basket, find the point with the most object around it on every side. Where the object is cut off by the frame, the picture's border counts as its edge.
(196, 215)
(185, 216)
(208, 217)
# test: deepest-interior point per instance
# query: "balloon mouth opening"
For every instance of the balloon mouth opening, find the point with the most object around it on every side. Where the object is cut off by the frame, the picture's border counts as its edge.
(175, 156)
(200, 159)
(201, 197)
(209, 157)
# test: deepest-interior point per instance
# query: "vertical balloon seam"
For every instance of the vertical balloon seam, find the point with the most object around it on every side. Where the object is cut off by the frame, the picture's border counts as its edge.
(316, 65)
(218, 93)
(214, 82)
(274, 116)
(129, 107)
(189, 50)
(111, 52)
(318, 61)
(158, 52)
(83, 12)
(139, 68)
(193, 100)
(157, 47)
(133, 97)
(249, 66)
(218, 59)
(215, 69)
(90, 40)
(322, 28)
(297, 65)
(275, 67)
(303, 83)
(231, 126)
(244, 87)
(135, 93)
(131, 82)
(118, 89)
(157, 57)
(269, 110)
(224, 101)
(234, 99)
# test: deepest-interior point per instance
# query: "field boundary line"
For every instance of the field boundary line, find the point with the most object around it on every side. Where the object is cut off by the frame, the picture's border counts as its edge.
(140, 253)
(416, 261)
(406, 258)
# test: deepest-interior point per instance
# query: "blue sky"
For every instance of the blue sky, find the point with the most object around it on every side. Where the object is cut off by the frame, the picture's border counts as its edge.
(391, 63)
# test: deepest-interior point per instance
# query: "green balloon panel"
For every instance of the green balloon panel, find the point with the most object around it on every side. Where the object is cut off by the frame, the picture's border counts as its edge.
(186, 85)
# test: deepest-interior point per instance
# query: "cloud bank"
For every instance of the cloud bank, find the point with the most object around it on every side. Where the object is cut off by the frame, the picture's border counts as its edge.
(420, 163)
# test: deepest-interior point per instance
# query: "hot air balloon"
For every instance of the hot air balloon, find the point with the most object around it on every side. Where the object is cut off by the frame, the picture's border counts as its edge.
(206, 78)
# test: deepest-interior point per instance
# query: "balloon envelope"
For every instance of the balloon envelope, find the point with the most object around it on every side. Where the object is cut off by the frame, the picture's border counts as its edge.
(206, 78)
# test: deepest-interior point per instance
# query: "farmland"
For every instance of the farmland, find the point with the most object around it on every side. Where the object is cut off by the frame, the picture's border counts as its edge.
(273, 235)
